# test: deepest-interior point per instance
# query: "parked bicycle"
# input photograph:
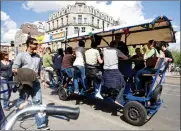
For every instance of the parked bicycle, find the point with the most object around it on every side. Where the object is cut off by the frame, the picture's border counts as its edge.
(175, 70)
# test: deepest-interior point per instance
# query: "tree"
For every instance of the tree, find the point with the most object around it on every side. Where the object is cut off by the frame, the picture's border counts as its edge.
(176, 56)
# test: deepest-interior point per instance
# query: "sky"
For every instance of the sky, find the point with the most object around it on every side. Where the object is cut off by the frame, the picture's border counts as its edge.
(15, 13)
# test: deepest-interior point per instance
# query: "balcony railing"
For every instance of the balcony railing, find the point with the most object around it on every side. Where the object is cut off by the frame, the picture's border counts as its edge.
(76, 24)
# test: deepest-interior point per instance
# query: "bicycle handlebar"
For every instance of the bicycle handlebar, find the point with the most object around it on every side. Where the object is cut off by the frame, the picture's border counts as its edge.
(71, 113)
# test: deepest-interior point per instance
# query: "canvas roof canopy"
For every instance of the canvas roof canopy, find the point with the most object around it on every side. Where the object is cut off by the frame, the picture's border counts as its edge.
(160, 29)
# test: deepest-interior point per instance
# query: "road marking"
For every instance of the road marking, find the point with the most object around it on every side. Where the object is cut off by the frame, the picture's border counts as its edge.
(118, 123)
(172, 85)
(171, 94)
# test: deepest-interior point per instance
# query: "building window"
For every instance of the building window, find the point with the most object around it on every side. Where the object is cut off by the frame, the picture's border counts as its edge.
(67, 19)
(62, 21)
(85, 20)
(91, 10)
(92, 29)
(65, 11)
(83, 29)
(79, 8)
(98, 22)
(107, 25)
(94, 12)
(79, 19)
(53, 24)
(92, 20)
(49, 26)
(75, 30)
(57, 23)
(74, 18)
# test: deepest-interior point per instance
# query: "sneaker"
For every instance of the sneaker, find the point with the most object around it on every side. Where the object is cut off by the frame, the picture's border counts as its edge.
(76, 92)
(98, 95)
(7, 109)
(45, 128)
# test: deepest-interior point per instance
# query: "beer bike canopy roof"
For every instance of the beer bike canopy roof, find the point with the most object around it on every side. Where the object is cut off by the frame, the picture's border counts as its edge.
(160, 29)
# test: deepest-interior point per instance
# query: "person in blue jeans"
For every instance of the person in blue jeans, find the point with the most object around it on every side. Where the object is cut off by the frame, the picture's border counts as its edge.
(67, 63)
(31, 60)
(6, 75)
(80, 64)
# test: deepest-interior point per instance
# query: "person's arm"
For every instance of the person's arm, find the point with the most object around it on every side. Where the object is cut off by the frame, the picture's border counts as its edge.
(171, 57)
(121, 55)
(99, 57)
(17, 63)
(39, 68)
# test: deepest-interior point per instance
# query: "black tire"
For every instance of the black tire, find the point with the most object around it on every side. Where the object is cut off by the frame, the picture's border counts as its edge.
(156, 94)
(62, 94)
(135, 113)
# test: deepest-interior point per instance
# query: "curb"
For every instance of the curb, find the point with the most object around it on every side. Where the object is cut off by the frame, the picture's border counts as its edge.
(173, 76)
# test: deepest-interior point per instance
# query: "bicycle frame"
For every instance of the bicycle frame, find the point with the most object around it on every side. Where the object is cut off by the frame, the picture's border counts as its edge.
(32, 109)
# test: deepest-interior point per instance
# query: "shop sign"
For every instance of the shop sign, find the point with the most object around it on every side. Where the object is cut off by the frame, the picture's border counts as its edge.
(58, 35)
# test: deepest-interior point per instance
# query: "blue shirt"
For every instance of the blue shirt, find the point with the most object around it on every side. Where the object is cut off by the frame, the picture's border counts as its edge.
(57, 61)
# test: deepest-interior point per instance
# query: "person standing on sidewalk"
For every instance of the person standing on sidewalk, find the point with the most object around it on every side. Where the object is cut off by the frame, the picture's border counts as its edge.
(6, 75)
(31, 60)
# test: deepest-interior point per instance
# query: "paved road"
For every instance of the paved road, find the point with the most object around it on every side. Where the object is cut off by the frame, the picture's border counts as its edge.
(97, 115)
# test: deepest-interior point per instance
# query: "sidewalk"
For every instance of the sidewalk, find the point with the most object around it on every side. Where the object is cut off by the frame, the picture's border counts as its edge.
(169, 74)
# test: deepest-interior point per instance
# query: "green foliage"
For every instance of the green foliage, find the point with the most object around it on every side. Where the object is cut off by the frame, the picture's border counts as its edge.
(176, 56)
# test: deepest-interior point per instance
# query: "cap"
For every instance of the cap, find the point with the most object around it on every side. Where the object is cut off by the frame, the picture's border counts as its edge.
(26, 76)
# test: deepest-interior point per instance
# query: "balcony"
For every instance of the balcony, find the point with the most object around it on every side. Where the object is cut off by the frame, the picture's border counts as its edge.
(76, 24)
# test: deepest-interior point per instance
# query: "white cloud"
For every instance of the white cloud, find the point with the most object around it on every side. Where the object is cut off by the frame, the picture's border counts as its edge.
(8, 28)
(4, 16)
(10, 24)
(128, 12)
(44, 6)
(177, 44)
(9, 35)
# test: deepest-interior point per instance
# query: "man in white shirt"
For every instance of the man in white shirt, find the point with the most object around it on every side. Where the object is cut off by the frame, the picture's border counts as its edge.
(79, 63)
(92, 59)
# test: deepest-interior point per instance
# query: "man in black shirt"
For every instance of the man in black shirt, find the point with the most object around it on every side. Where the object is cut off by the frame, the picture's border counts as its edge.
(168, 54)
(121, 45)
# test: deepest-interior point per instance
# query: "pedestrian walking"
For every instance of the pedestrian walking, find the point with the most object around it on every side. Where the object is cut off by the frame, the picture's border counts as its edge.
(6, 75)
(31, 60)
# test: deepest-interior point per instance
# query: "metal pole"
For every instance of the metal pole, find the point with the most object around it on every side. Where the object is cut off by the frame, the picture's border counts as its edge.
(78, 31)
(112, 35)
(66, 39)
(103, 25)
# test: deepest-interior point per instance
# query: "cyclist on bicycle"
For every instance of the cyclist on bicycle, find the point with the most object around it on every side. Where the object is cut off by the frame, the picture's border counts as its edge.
(48, 65)
(93, 59)
(79, 63)
(68, 60)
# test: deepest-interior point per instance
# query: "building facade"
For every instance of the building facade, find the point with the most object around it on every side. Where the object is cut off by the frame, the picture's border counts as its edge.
(25, 30)
(78, 17)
